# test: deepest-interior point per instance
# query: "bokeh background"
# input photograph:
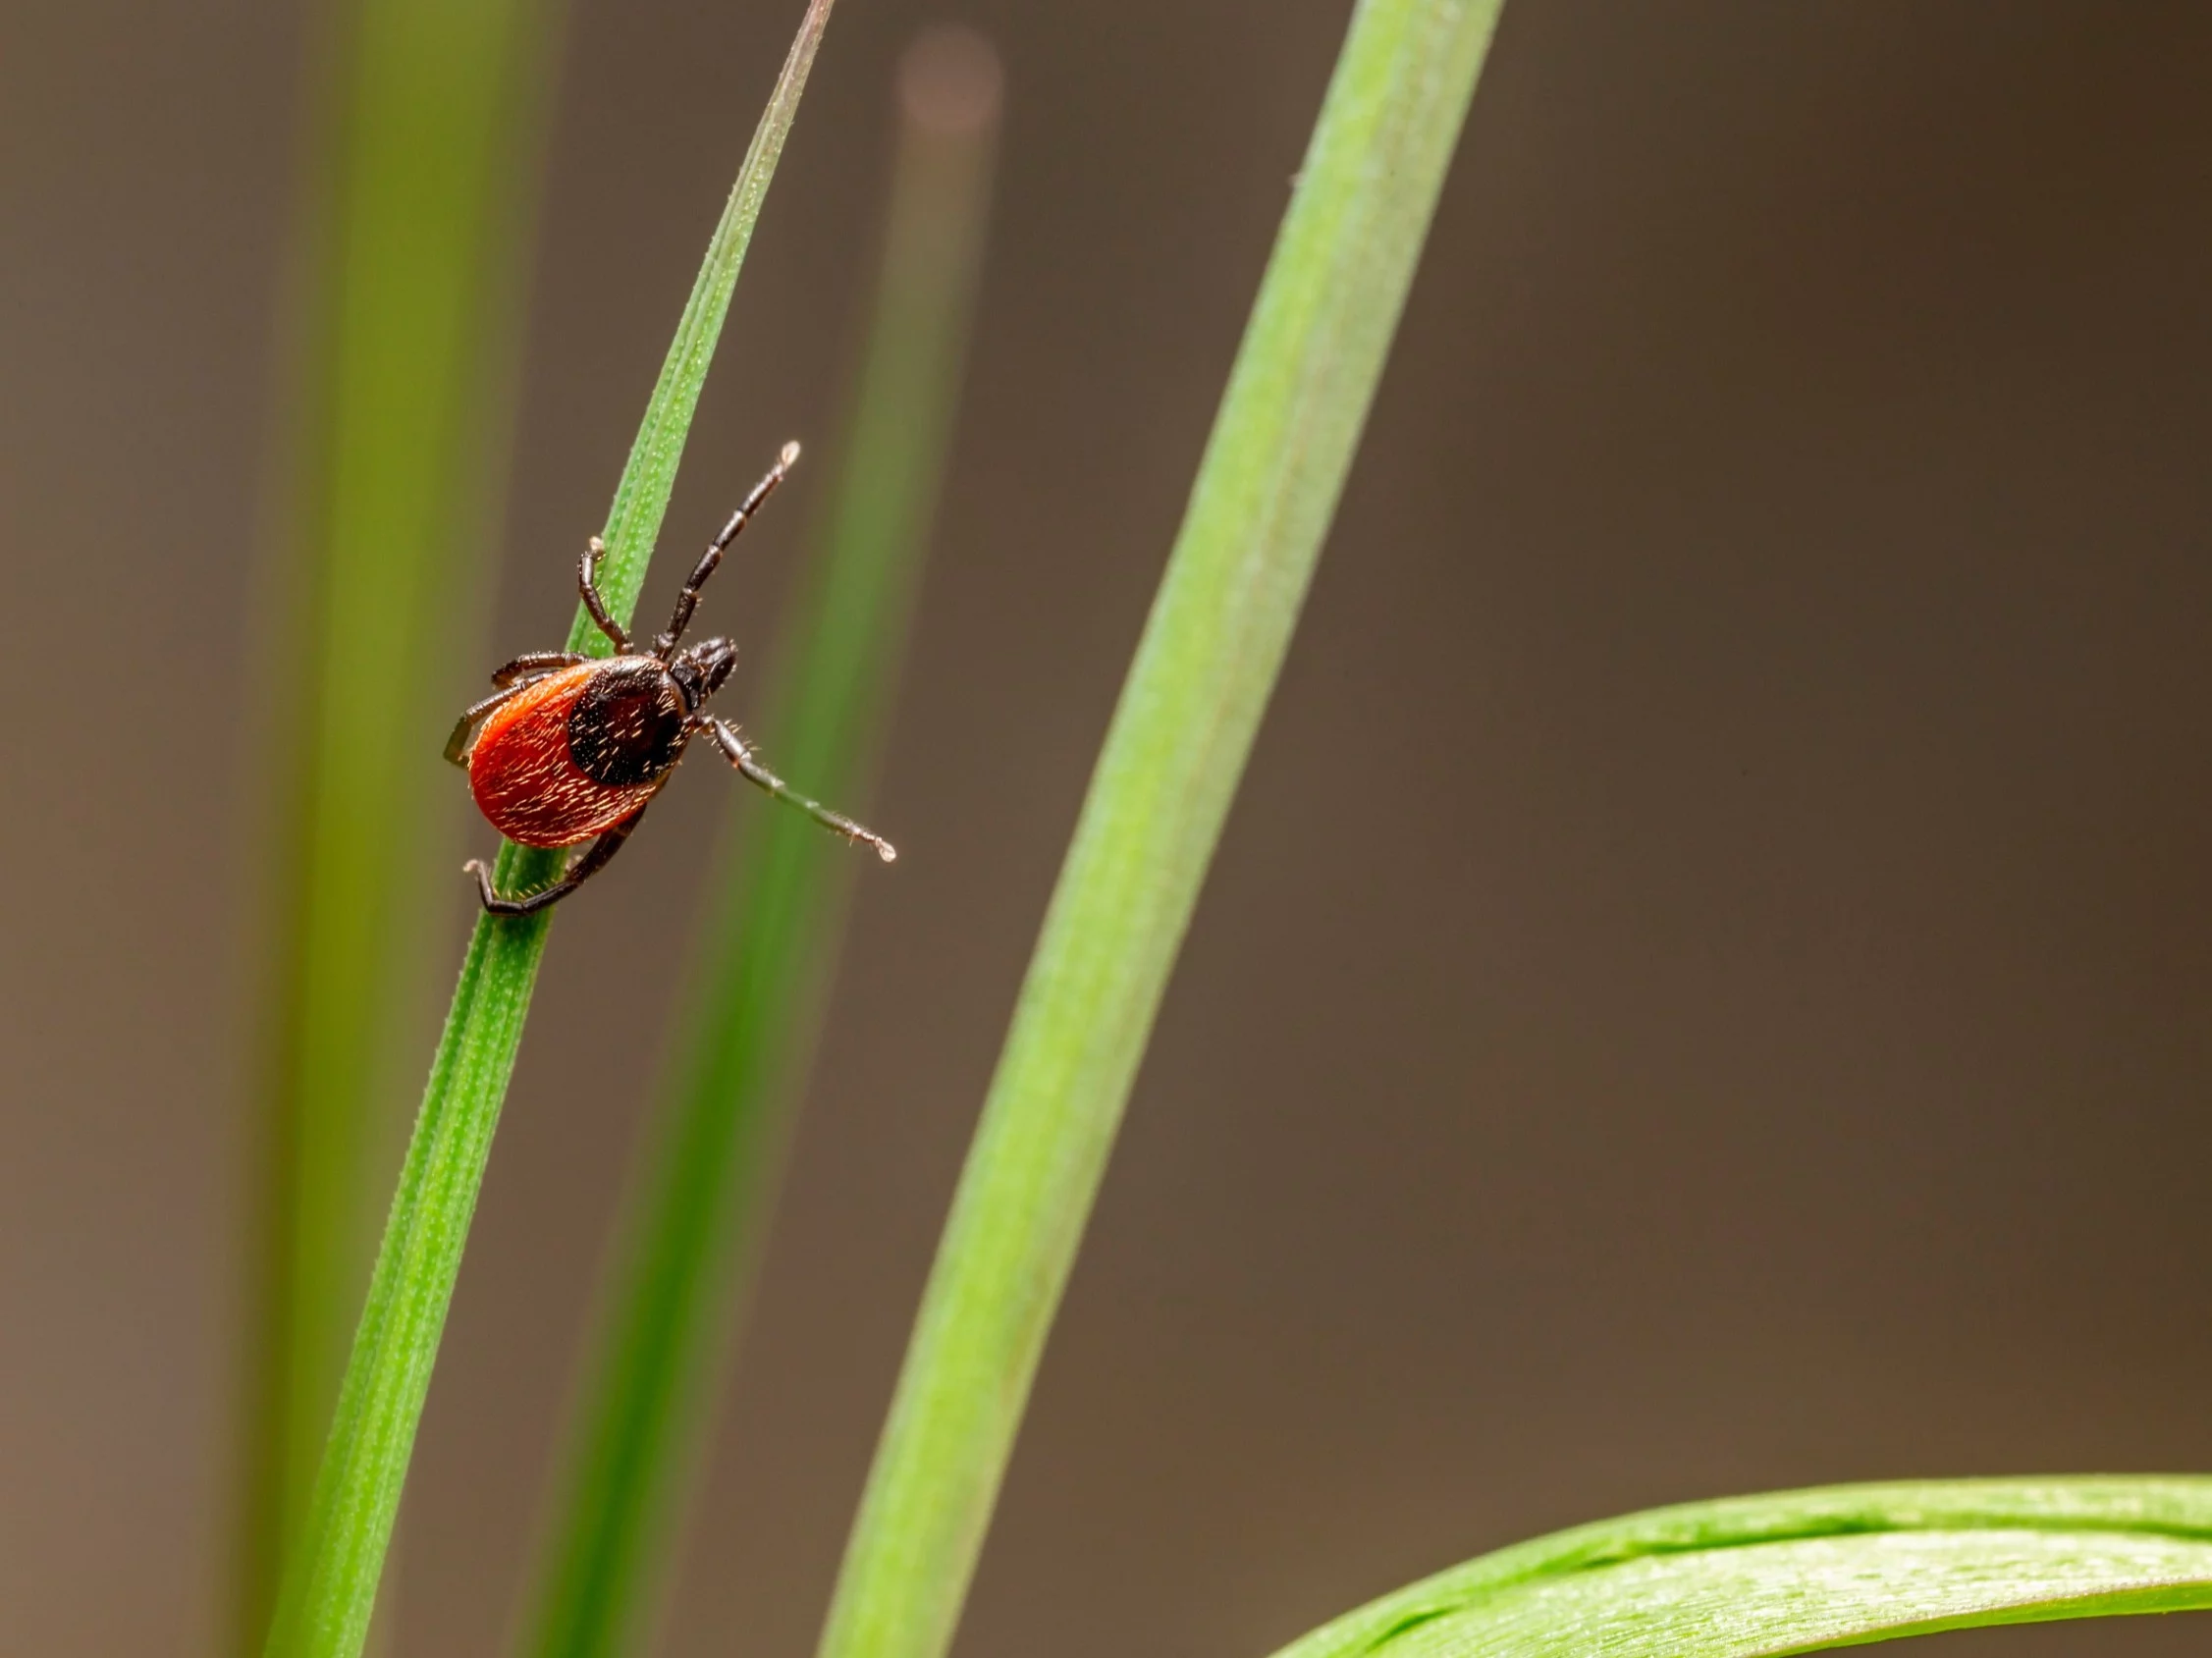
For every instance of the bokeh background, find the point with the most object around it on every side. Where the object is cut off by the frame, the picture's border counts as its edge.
(1704, 989)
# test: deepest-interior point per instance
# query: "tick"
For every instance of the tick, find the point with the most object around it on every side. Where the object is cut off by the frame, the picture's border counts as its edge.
(573, 748)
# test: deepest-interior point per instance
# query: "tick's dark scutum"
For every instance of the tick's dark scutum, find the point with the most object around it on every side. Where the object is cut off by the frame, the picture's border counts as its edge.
(628, 726)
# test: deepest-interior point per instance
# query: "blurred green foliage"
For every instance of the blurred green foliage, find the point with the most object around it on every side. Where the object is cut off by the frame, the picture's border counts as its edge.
(413, 242)
(404, 362)
(1282, 442)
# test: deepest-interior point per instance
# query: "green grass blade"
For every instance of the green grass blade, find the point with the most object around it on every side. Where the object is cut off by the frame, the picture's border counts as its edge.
(1281, 445)
(710, 1170)
(330, 1584)
(1801, 1571)
(412, 225)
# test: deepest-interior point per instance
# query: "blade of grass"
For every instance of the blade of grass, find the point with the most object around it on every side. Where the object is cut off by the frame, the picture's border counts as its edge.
(1282, 442)
(1801, 1571)
(330, 1582)
(413, 219)
(772, 943)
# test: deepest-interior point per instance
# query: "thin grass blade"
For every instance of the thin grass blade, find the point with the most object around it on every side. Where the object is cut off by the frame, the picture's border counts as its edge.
(1801, 1571)
(330, 1584)
(1266, 488)
(771, 947)
(409, 265)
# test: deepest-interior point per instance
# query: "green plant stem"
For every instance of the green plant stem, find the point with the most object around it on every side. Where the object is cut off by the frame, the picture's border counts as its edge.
(710, 1174)
(413, 216)
(330, 1581)
(1282, 442)
(1800, 1571)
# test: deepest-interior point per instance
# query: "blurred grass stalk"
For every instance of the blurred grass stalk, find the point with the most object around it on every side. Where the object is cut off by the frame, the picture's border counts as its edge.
(1282, 442)
(331, 1575)
(409, 261)
(710, 1173)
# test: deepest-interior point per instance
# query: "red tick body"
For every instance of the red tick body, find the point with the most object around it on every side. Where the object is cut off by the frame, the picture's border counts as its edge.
(523, 769)
(571, 748)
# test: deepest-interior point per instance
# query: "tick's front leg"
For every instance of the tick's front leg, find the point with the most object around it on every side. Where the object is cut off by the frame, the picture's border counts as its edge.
(738, 755)
(587, 584)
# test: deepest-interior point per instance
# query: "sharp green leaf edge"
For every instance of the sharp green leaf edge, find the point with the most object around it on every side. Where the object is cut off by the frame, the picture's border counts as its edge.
(330, 1581)
(1801, 1571)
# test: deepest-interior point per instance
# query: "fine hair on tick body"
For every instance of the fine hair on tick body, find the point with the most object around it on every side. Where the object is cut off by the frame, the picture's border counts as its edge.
(572, 748)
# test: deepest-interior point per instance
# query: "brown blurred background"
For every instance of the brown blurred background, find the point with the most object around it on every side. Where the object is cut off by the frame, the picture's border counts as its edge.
(1704, 989)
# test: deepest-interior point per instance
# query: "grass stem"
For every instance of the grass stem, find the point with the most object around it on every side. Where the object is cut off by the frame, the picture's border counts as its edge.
(1281, 445)
(330, 1582)
(710, 1171)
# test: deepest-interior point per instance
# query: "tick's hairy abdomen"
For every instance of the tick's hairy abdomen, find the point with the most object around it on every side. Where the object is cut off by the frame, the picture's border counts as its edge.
(524, 769)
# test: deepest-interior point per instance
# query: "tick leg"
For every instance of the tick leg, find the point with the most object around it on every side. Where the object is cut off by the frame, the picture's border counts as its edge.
(534, 665)
(733, 747)
(523, 671)
(464, 728)
(687, 600)
(577, 874)
(587, 583)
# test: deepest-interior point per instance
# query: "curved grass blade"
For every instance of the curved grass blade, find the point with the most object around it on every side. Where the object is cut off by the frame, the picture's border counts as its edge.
(772, 943)
(412, 225)
(1282, 442)
(1801, 1571)
(330, 1584)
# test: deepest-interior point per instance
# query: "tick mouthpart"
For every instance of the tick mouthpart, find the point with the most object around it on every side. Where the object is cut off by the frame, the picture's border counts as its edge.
(701, 670)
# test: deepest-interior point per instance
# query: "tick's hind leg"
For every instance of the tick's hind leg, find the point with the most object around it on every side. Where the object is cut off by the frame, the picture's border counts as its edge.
(733, 748)
(577, 874)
